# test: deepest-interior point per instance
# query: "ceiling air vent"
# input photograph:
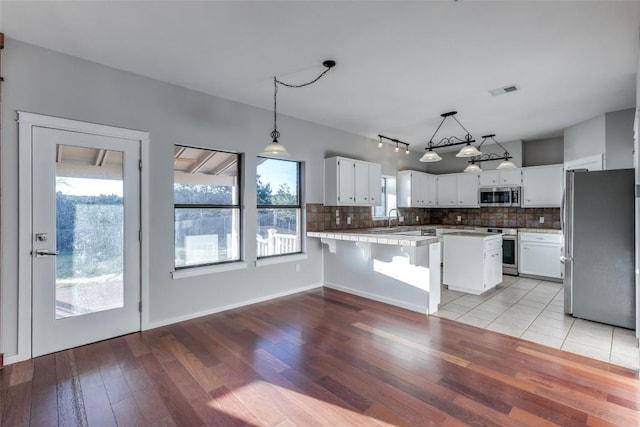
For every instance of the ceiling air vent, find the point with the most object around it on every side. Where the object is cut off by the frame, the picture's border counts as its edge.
(504, 89)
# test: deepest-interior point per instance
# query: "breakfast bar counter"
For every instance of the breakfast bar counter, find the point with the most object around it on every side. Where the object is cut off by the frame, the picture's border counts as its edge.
(395, 266)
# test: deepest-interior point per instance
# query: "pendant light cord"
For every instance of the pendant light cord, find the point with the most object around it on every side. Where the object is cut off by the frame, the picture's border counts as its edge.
(275, 134)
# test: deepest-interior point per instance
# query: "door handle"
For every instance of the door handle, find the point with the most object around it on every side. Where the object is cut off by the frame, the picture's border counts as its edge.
(41, 253)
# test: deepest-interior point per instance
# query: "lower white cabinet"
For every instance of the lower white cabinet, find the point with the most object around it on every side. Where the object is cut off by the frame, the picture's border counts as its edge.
(540, 255)
(472, 261)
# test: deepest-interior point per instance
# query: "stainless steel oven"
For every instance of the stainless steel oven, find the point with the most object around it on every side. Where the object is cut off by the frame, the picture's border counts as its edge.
(509, 248)
(500, 196)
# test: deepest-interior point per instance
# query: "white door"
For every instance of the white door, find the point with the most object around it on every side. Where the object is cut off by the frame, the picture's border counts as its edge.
(85, 245)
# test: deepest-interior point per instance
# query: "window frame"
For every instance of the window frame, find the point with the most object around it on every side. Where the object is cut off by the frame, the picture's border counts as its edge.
(238, 206)
(298, 206)
(385, 197)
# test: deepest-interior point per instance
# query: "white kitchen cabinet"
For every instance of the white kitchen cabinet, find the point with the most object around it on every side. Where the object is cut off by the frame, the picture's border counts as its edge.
(542, 186)
(416, 189)
(501, 178)
(351, 182)
(468, 189)
(375, 186)
(540, 255)
(432, 190)
(458, 190)
(447, 190)
(472, 261)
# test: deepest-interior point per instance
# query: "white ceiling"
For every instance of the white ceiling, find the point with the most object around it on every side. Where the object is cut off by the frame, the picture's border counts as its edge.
(400, 64)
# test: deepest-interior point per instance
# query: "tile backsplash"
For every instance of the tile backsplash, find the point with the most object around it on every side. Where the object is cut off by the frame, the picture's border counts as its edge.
(320, 217)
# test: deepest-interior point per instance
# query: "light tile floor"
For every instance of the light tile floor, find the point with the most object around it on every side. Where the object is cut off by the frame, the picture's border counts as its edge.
(534, 310)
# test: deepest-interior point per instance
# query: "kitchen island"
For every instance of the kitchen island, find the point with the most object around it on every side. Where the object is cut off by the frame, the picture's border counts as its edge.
(472, 261)
(394, 266)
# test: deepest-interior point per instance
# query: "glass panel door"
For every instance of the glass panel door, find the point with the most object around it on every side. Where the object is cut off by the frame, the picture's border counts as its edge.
(85, 246)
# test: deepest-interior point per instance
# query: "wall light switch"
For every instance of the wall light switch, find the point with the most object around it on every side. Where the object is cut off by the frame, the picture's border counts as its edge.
(297, 268)
(349, 220)
(337, 220)
(541, 220)
(458, 218)
(401, 219)
(337, 212)
(417, 218)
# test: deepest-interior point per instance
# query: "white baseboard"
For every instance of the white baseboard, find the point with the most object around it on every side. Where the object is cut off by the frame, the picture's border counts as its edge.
(379, 298)
(165, 322)
(10, 360)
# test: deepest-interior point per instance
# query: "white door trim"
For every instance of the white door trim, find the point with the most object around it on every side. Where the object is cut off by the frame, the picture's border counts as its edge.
(26, 122)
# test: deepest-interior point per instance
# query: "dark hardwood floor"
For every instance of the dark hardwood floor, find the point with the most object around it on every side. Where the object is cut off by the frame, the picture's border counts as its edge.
(320, 358)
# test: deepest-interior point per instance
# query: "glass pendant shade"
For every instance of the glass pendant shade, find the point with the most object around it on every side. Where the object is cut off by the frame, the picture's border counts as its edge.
(275, 149)
(506, 164)
(472, 168)
(468, 151)
(430, 156)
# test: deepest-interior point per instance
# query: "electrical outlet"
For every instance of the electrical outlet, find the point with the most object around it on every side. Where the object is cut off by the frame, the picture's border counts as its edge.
(297, 268)
(337, 212)
(349, 220)
(337, 220)
(458, 218)
(417, 218)
(401, 219)
(541, 220)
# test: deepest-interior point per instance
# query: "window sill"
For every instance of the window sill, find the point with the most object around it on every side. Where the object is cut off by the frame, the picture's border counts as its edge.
(280, 259)
(209, 269)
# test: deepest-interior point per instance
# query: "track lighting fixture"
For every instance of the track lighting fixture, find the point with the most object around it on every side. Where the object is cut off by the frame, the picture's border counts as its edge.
(396, 141)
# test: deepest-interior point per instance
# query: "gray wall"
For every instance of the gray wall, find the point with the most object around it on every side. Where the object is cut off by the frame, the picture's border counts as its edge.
(619, 139)
(585, 139)
(452, 164)
(610, 133)
(540, 152)
(45, 82)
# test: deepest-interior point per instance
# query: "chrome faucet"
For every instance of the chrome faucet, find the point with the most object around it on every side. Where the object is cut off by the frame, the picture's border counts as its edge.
(389, 217)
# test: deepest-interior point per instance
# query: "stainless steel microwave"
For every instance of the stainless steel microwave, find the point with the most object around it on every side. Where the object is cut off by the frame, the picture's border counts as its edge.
(500, 196)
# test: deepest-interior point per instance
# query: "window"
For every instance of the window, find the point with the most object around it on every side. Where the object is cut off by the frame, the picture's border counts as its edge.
(206, 191)
(388, 197)
(278, 225)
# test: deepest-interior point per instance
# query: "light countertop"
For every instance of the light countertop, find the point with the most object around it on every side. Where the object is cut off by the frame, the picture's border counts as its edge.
(471, 234)
(372, 235)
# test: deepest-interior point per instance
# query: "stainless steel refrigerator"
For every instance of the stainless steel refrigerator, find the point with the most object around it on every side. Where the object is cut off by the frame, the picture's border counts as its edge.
(599, 257)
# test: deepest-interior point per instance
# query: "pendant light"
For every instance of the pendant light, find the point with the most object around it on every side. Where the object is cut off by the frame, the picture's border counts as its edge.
(506, 164)
(274, 148)
(430, 156)
(472, 167)
(467, 151)
(505, 157)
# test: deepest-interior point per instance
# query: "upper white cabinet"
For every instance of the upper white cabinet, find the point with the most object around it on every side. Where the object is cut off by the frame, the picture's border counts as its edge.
(351, 182)
(458, 190)
(416, 189)
(501, 178)
(542, 186)
(468, 190)
(447, 190)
